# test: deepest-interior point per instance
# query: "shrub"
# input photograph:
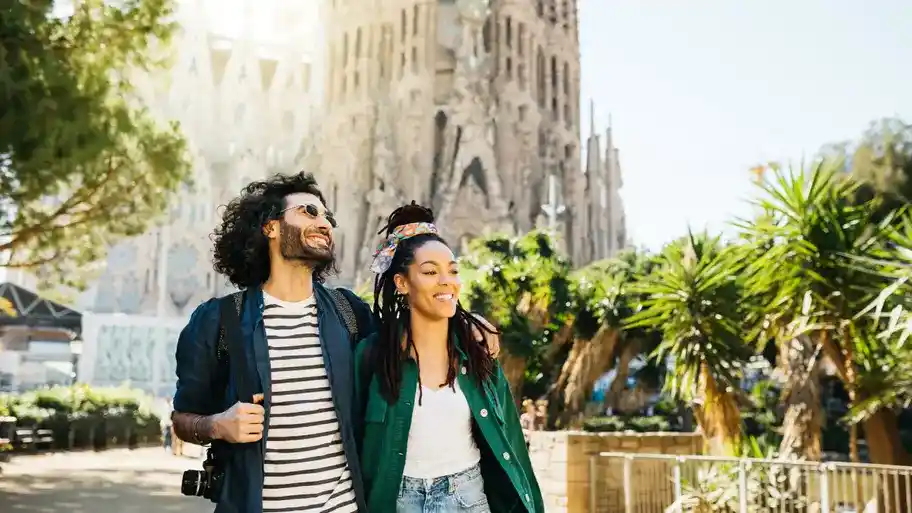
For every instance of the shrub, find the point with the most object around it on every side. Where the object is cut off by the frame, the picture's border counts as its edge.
(93, 417)
(615, 423)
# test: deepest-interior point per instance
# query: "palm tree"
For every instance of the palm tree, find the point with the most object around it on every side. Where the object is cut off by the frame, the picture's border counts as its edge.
(598, 292)
(694, 300)
(886, 356)
(813, 233)
(521, 284)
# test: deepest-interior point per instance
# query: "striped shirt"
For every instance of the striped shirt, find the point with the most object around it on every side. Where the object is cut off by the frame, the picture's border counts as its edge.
(305, 468)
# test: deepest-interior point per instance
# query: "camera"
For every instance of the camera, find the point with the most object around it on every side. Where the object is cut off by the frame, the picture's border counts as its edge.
(202, 483)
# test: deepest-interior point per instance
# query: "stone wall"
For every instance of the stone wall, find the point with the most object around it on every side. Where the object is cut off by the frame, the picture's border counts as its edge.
(562, 465)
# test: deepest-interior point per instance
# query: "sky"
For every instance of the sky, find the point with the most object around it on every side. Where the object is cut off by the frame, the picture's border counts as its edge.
(700, 91)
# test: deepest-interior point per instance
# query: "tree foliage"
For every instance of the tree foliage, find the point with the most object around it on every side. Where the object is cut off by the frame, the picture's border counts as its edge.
(82, 160)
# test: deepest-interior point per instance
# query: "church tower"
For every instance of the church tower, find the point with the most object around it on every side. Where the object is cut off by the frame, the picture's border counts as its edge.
(469, 106)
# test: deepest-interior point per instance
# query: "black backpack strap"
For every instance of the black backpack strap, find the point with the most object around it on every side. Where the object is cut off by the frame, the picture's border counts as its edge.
(230, 332)
(221, 349)
(344, 306)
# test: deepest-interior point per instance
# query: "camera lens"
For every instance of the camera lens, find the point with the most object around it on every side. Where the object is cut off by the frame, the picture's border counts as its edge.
(194, 483)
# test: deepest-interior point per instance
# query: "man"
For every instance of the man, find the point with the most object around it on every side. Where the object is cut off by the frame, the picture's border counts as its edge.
(294, 447)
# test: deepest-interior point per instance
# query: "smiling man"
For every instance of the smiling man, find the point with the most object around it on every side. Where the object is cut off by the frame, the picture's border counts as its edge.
(291, 446)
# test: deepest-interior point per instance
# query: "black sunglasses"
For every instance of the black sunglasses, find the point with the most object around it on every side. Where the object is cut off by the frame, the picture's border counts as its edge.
(313, 212)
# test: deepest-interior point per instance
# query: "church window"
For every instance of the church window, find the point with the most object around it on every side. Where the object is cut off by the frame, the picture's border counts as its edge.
(566, 77)
(509, 67)
(554, 73)
(415, 15)
(345, 50)
(508, 32)
(540, 70)
(358, 43)
(521, 74)
(520, 39)
(486, 35)
(404, 23)
(414, 59)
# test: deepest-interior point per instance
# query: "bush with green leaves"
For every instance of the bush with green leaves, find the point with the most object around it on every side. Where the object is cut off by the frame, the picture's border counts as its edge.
(619, 424)
(93, 417)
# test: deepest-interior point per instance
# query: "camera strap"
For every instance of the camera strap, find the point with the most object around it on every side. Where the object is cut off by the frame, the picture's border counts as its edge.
(231, 324)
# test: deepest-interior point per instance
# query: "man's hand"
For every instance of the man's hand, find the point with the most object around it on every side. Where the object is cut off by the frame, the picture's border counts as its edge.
(242, 423)
(492, 339)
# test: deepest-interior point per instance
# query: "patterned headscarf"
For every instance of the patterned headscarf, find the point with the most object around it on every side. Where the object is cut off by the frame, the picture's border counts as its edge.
(383, 257)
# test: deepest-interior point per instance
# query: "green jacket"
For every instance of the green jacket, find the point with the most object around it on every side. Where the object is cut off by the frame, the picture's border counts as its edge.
(510, 484)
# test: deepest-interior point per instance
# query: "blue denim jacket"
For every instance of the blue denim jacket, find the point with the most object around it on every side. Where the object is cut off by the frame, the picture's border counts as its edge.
(197, 388)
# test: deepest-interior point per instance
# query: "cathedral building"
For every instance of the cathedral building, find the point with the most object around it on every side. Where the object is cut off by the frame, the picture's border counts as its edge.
(469, 106)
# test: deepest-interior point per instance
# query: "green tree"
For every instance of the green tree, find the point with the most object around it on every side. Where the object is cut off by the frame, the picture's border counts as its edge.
(881, 160)
(83, 162)
(809, 236)
(695, 300)
(602, 302)
(521, 285)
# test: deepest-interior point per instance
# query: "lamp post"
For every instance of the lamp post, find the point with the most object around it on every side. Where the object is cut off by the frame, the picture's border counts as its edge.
(75, 353)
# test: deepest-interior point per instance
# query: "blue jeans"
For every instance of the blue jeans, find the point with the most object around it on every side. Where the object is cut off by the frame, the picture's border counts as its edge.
(462, 492)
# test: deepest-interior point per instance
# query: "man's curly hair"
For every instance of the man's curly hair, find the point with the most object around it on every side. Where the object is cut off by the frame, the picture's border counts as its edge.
(241, 250)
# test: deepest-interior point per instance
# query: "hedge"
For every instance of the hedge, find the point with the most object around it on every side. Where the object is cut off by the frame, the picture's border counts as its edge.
(85, 417)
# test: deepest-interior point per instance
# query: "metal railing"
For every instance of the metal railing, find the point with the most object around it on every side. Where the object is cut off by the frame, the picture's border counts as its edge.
(658, 483)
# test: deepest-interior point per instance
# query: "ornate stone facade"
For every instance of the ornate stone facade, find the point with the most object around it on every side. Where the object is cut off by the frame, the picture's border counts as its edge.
(244, 102)
(468, 106)
(464, 105)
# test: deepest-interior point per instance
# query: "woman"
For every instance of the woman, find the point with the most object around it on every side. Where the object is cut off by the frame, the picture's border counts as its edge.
(441, 429)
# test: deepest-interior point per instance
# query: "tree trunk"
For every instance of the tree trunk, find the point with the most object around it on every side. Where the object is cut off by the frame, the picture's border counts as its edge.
(629, 351)
(718, 416)
(556, 392)
(886, 448)
(589, 359)
(801, 428)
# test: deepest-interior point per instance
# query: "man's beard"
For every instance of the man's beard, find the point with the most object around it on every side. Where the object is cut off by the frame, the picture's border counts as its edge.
(293, 247)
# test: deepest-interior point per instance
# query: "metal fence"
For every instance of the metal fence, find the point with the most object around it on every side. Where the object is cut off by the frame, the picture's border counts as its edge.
(657, 483)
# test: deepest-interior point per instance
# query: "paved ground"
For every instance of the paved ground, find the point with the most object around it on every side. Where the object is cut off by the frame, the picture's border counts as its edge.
(115, 481)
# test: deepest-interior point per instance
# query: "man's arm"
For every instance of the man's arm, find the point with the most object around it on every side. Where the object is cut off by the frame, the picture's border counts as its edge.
(195, 397)
(240, 424)
(197, 417)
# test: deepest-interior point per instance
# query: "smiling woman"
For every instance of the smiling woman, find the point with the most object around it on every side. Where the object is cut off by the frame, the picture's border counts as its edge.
(425, 368)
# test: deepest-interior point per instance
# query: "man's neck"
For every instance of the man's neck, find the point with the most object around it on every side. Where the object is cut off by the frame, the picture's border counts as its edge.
(429, 335)
(289, 282)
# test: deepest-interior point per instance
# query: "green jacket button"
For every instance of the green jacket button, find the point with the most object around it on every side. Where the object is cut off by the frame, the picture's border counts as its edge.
(506, 456)
(483, 412)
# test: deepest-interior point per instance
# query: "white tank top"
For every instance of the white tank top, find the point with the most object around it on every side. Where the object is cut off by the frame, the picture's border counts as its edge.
(440, 441)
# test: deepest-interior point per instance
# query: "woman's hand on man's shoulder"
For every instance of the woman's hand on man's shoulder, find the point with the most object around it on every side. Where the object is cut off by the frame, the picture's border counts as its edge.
(491, 335)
